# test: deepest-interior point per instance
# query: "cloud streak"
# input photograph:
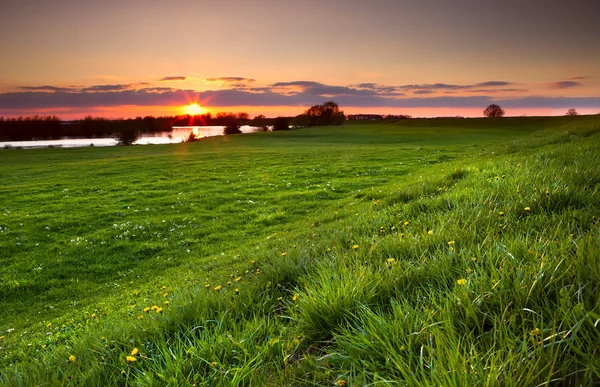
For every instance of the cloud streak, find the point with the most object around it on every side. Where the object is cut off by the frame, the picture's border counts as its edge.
(164, 79)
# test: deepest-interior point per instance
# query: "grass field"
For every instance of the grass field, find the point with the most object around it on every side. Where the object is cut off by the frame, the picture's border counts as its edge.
(416, 252)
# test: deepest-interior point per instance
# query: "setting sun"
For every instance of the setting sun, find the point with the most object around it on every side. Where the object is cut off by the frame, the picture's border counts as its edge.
(194, 109)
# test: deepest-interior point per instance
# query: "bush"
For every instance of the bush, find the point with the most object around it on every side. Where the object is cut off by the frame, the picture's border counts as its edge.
(232, 128)
(281, 123)
(127, 136)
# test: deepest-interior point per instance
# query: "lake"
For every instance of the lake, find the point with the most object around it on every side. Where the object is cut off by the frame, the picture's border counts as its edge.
(179, 134)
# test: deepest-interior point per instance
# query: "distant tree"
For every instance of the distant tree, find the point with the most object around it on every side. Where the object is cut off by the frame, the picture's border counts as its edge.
(301, 121)
(326, 114)
(281, 123)
(127, 135)
(493, 111)
(242, 116)
(571, 112)
(192, 137)
(232, 127)
(260, 122)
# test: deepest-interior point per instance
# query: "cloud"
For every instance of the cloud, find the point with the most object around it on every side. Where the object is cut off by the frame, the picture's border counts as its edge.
(302, 99)
(45, 88)
(493, 84)
(564, 84)
(231, 80)
(172, 79)
(113, 87)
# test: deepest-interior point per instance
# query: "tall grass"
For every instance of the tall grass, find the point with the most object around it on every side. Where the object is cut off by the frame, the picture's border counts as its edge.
(480, 270)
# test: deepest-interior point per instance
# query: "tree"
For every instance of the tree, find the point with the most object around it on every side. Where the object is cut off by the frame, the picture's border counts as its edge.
(281, 123)
(232, 127)
(493, 111)
(127, 135)
(260, 122)
(324, 115)
(571, 112)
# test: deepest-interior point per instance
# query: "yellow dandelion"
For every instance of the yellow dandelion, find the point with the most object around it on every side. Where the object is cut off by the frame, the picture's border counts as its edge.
(461, 281)
(393, 228)
(355, 247)
(49, 325)
(284, 254)
(214, 364)
(1, 337)
(501, 213)
(279, 298)
(535, 332)
(238, 279)
(166, 303)
(93, 315)
(295, 297)
(527, 209)
(131, 359)
(140, 317)
(328, 250)
(217, 288)
(406, 223)
(450, 243)
(72, 358)
(134, 351)
(122, 372)
(147, 309)
(391, 261)
(164, 288)
(154, 307)
(229, 283)
(159, 310)
(430, 232)
(341, 382)
(166, 295)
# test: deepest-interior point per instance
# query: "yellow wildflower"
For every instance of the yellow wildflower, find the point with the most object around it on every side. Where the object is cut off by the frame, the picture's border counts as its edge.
(328, 250)
(134, 351)
(72, 358)
(217, 288)
(391, 261)
(1, 337)
(406, 223)
(461, 281)
(535, 332)
(238, 279)
(341, 382)
(450, 243)
(140, 317)
(93, 315)
(284, 254)
(159, 310)
(166, 295)
(501, 213)
(295, 297)
(527, 209)
(430, 232)
(167, 303)
(355, 247)
(131, 359)
(164, 288)
(207, 286)
(229, 283)
(237, 290)
(214, 364)
(147, 309)
(49, 325)
(154, 308)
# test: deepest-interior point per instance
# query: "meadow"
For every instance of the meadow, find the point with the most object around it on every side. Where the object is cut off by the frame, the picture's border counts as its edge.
(413, 252)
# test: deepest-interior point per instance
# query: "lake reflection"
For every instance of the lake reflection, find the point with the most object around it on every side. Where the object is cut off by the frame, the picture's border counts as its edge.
(179, 134)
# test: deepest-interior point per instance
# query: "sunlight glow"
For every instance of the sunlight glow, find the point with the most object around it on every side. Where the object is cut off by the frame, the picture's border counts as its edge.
(194, 109)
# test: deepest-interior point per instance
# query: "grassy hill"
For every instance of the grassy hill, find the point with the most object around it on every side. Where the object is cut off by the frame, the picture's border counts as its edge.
(434, 251)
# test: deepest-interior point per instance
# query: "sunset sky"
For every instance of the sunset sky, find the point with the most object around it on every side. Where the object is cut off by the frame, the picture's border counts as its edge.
(132, 58)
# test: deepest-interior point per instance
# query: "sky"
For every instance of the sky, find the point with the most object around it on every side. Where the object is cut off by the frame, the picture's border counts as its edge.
(425, 58)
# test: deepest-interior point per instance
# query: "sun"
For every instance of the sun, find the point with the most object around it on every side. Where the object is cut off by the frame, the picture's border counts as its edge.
(194, 109)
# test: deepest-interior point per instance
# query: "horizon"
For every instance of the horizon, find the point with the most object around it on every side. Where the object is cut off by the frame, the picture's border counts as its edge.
(73, 59)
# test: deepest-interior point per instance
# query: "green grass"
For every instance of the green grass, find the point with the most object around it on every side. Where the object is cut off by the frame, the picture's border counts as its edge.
(416, 252)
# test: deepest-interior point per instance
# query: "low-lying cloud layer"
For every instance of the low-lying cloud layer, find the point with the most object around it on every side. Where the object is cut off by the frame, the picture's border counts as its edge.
(240, 91)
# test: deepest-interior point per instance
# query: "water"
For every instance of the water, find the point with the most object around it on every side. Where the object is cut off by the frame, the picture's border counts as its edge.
(179, 134)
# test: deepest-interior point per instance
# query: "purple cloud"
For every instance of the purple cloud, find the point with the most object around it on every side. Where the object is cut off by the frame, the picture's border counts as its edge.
(45, 88)
(231, 80)
(564, 84)
(172, 79)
